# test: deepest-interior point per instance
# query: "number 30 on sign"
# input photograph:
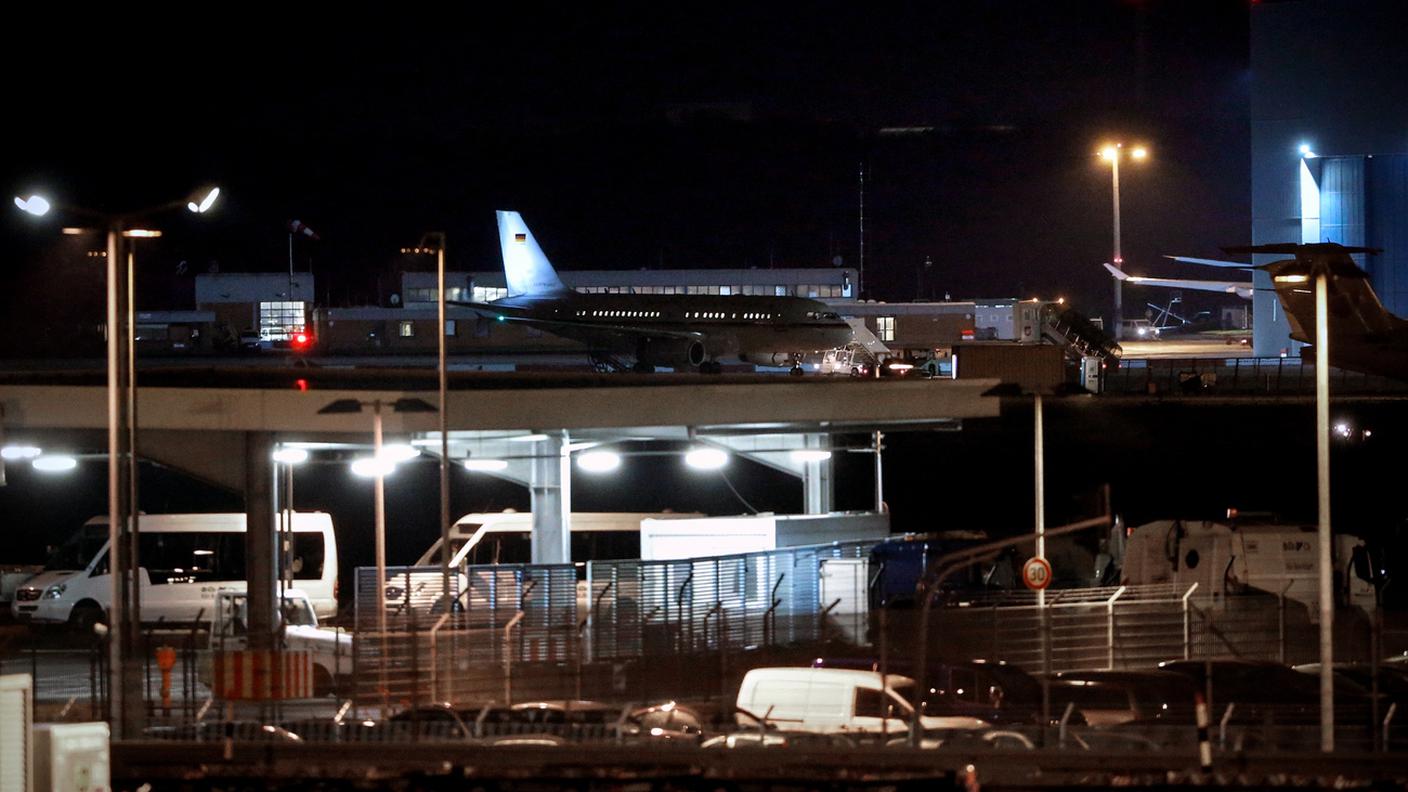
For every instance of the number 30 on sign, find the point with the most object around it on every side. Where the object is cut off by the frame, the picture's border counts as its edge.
(1036, 573)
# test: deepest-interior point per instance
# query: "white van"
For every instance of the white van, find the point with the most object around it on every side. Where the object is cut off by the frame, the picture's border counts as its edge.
(64, 560)
(185, 559)
(836, 700)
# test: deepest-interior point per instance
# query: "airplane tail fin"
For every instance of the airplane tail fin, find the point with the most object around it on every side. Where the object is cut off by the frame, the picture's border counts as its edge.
(527, 271)
(1117, 272)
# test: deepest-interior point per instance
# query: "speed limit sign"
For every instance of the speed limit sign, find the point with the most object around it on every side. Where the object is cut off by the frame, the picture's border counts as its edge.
(1036, 573)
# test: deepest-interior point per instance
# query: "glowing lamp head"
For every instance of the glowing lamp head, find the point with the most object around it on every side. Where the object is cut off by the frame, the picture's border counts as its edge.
(1304, 149)
(36, 205)
(1110, 152)
(706, 459)
(373, 467)
(474, 465)
(291, 456)
(599, 461)
(810, 455)
(203, 205)
(15, 453)
(1139, 153)
(54, 464)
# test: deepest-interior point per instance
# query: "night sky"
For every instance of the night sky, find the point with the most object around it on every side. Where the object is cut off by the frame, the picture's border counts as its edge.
(661, 135)
(631, 137)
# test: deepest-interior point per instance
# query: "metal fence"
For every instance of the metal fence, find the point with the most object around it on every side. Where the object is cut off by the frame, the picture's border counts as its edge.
(1134, 627)
(644, 608)
(516, 631)
(1227, 376)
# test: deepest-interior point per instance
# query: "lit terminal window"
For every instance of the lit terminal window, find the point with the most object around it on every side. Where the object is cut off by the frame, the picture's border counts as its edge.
(885, 328)
(408, 329)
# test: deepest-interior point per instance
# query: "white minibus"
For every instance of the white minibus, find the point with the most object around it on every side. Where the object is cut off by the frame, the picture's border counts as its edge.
(184, 560)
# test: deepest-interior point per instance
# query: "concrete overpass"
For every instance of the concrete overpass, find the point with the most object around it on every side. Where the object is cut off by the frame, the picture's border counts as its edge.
(222, 424)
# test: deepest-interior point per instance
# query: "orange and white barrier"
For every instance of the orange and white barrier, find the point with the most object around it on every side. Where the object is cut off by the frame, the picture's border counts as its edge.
(260, 675)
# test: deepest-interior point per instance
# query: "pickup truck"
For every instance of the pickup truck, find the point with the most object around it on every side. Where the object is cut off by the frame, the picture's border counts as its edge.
(331, 648)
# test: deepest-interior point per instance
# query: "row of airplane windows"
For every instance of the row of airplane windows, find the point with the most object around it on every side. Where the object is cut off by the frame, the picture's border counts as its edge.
(688, 314)
(491, 293)
(798, 290)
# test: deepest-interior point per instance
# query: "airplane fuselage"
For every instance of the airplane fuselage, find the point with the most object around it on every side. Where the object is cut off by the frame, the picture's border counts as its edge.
(761, 330)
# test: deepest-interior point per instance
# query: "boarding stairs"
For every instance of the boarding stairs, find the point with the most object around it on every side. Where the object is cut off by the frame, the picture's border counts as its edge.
(1080, 336)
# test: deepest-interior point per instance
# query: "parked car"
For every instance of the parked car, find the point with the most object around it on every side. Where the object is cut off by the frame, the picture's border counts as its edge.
(1106, 698)
(996, 693)
(669, 721)
(351, 730)
(1264, 690)
(208, 731)
(432, 722)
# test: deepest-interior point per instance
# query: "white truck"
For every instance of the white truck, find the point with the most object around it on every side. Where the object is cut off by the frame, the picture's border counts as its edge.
(1224, 559)
(331, 648)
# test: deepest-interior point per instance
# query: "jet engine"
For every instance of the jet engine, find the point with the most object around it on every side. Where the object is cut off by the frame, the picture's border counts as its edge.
(675, 353)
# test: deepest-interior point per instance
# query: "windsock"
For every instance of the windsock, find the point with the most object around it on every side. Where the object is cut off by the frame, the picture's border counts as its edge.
(297, 227)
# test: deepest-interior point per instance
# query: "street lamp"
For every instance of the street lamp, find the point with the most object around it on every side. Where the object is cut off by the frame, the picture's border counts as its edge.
(1113, 153)
(124, 614)
(379, 470)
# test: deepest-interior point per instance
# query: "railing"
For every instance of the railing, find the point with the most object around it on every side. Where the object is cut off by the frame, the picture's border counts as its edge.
(1236, 375)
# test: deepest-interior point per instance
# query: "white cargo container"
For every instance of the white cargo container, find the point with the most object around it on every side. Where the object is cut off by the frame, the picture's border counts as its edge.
(716, 536)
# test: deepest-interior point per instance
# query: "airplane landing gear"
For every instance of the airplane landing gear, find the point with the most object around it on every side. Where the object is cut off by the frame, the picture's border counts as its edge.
(796, 370)
(711, 367)
(642, 367)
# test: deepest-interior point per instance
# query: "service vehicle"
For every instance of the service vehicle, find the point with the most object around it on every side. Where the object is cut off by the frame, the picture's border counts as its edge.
(837, 700)
(185, 560)
(299, 630)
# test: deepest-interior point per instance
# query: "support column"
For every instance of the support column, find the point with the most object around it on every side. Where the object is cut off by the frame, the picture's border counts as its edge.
(260, 540)
(550, 490)
(818, 487)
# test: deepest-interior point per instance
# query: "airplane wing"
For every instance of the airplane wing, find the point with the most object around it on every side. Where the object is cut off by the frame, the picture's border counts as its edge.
(1242, 289)
(1212, 262)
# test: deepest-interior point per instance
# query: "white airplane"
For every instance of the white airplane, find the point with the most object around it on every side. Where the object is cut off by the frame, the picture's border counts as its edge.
(693, 331)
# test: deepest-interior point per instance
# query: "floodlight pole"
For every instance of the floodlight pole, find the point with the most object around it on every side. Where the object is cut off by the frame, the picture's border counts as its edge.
(380, 512)
(1322, 455)
(123, 651)
(1119, 257)
(1039, 495)
(127, 705)
(444, 432)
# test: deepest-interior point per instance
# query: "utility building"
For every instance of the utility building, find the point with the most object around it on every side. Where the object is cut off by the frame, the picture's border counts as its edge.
(273, 304)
